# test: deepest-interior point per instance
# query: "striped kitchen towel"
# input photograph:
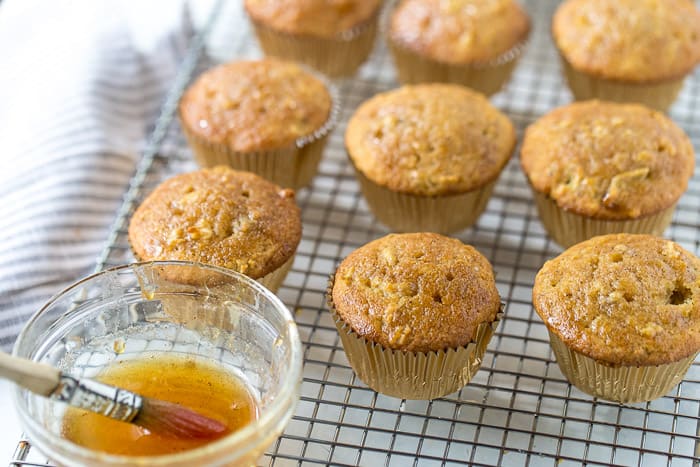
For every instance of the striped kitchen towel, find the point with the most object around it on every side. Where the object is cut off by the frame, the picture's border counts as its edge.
(80, 85)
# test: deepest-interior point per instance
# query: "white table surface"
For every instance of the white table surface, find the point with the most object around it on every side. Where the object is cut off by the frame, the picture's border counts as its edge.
(9, 424)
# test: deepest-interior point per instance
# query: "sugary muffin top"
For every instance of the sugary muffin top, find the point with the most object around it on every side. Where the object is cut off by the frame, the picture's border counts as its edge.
(219, 216)
(415, 292)
(623, 299)
(459, 31)
(320, 18)
(629, 40)
(256, 105)
(430, 139)
(608, 161)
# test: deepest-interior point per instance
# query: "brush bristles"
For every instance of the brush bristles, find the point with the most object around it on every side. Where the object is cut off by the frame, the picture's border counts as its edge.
(170, 419)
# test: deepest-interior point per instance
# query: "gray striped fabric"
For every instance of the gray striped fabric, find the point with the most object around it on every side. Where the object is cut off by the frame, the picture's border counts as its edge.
(80, 86)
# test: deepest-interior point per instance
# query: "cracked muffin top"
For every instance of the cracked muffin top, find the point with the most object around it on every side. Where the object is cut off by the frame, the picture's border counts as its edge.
(430, 139)
(608, 161)
(218, 216)
(459, 31)
(319, 18)
(638, 41)
(415, 292)
(255, 105)
(623, 299)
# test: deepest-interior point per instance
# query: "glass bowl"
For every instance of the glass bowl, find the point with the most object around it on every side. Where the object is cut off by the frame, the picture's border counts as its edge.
(181, 307)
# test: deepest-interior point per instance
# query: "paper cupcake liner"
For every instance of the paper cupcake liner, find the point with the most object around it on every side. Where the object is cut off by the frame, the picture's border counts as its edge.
(567, 228)
(487, 77)
(273, 280)
(414, 213)
(290, 167)
(413, 375)
(336, 56)
(658, 96)
(618, 383)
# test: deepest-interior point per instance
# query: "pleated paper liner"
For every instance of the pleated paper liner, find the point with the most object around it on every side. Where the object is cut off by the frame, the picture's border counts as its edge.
(273, 280)
(337, 56)
(658, 96)
(567, 228)
(413, 375)
(404, 212)
(624, 384)
(293, 166)
(486, 79)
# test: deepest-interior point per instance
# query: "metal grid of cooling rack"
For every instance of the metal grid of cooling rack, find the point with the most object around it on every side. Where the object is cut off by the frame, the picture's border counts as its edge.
(518, 409)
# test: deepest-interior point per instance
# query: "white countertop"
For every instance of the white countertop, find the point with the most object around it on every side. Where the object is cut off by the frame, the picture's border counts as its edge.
(10, 430)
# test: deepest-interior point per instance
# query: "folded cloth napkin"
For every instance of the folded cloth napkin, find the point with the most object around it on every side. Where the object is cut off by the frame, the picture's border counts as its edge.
(80, 86)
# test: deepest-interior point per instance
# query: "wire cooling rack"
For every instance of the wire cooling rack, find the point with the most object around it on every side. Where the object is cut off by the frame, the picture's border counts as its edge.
(518, 409)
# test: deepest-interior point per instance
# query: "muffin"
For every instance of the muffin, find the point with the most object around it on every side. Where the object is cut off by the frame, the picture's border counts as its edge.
(269, 117)
(427, 156)
(476, 43)
(628, 50)
(600, 167)
(623, 314)
(333, 36)
(415, 313)
(223, 217)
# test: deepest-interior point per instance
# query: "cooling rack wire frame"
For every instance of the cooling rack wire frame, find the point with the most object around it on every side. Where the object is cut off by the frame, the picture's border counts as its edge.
(518, 409)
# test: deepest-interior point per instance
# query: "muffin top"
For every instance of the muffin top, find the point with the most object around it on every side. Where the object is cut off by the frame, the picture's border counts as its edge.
(629, 40)
(623, 299)
(255, 105)
(219, 216)
(459, 31)
(608, 161)
(430, 139)
(320, 18)
(416, 292)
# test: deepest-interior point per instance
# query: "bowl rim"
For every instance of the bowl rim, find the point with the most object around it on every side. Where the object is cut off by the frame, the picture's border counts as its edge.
(234, 444)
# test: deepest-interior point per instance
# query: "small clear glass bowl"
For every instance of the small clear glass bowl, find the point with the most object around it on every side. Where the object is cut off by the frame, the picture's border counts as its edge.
(187, 308)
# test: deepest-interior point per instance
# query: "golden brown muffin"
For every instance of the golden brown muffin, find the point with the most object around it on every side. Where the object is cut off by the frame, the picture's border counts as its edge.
(268, 116)
(220, 216)
(603, 161)
(321, 18)
(430, 143)
(255, 105)
(628, 50)
(622, 300)
(431, 139)
(334, 36)
(415, 292)
(459, 31)
(415, 298)
(471, 42)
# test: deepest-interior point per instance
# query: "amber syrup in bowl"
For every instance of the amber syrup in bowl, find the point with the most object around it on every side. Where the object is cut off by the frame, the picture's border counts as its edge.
(210, 339)
(191, 382)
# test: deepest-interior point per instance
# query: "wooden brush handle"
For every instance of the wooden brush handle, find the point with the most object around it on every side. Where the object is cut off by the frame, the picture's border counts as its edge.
(38, 377)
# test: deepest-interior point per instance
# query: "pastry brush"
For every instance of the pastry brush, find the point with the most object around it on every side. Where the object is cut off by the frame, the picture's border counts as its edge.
(158, 416)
